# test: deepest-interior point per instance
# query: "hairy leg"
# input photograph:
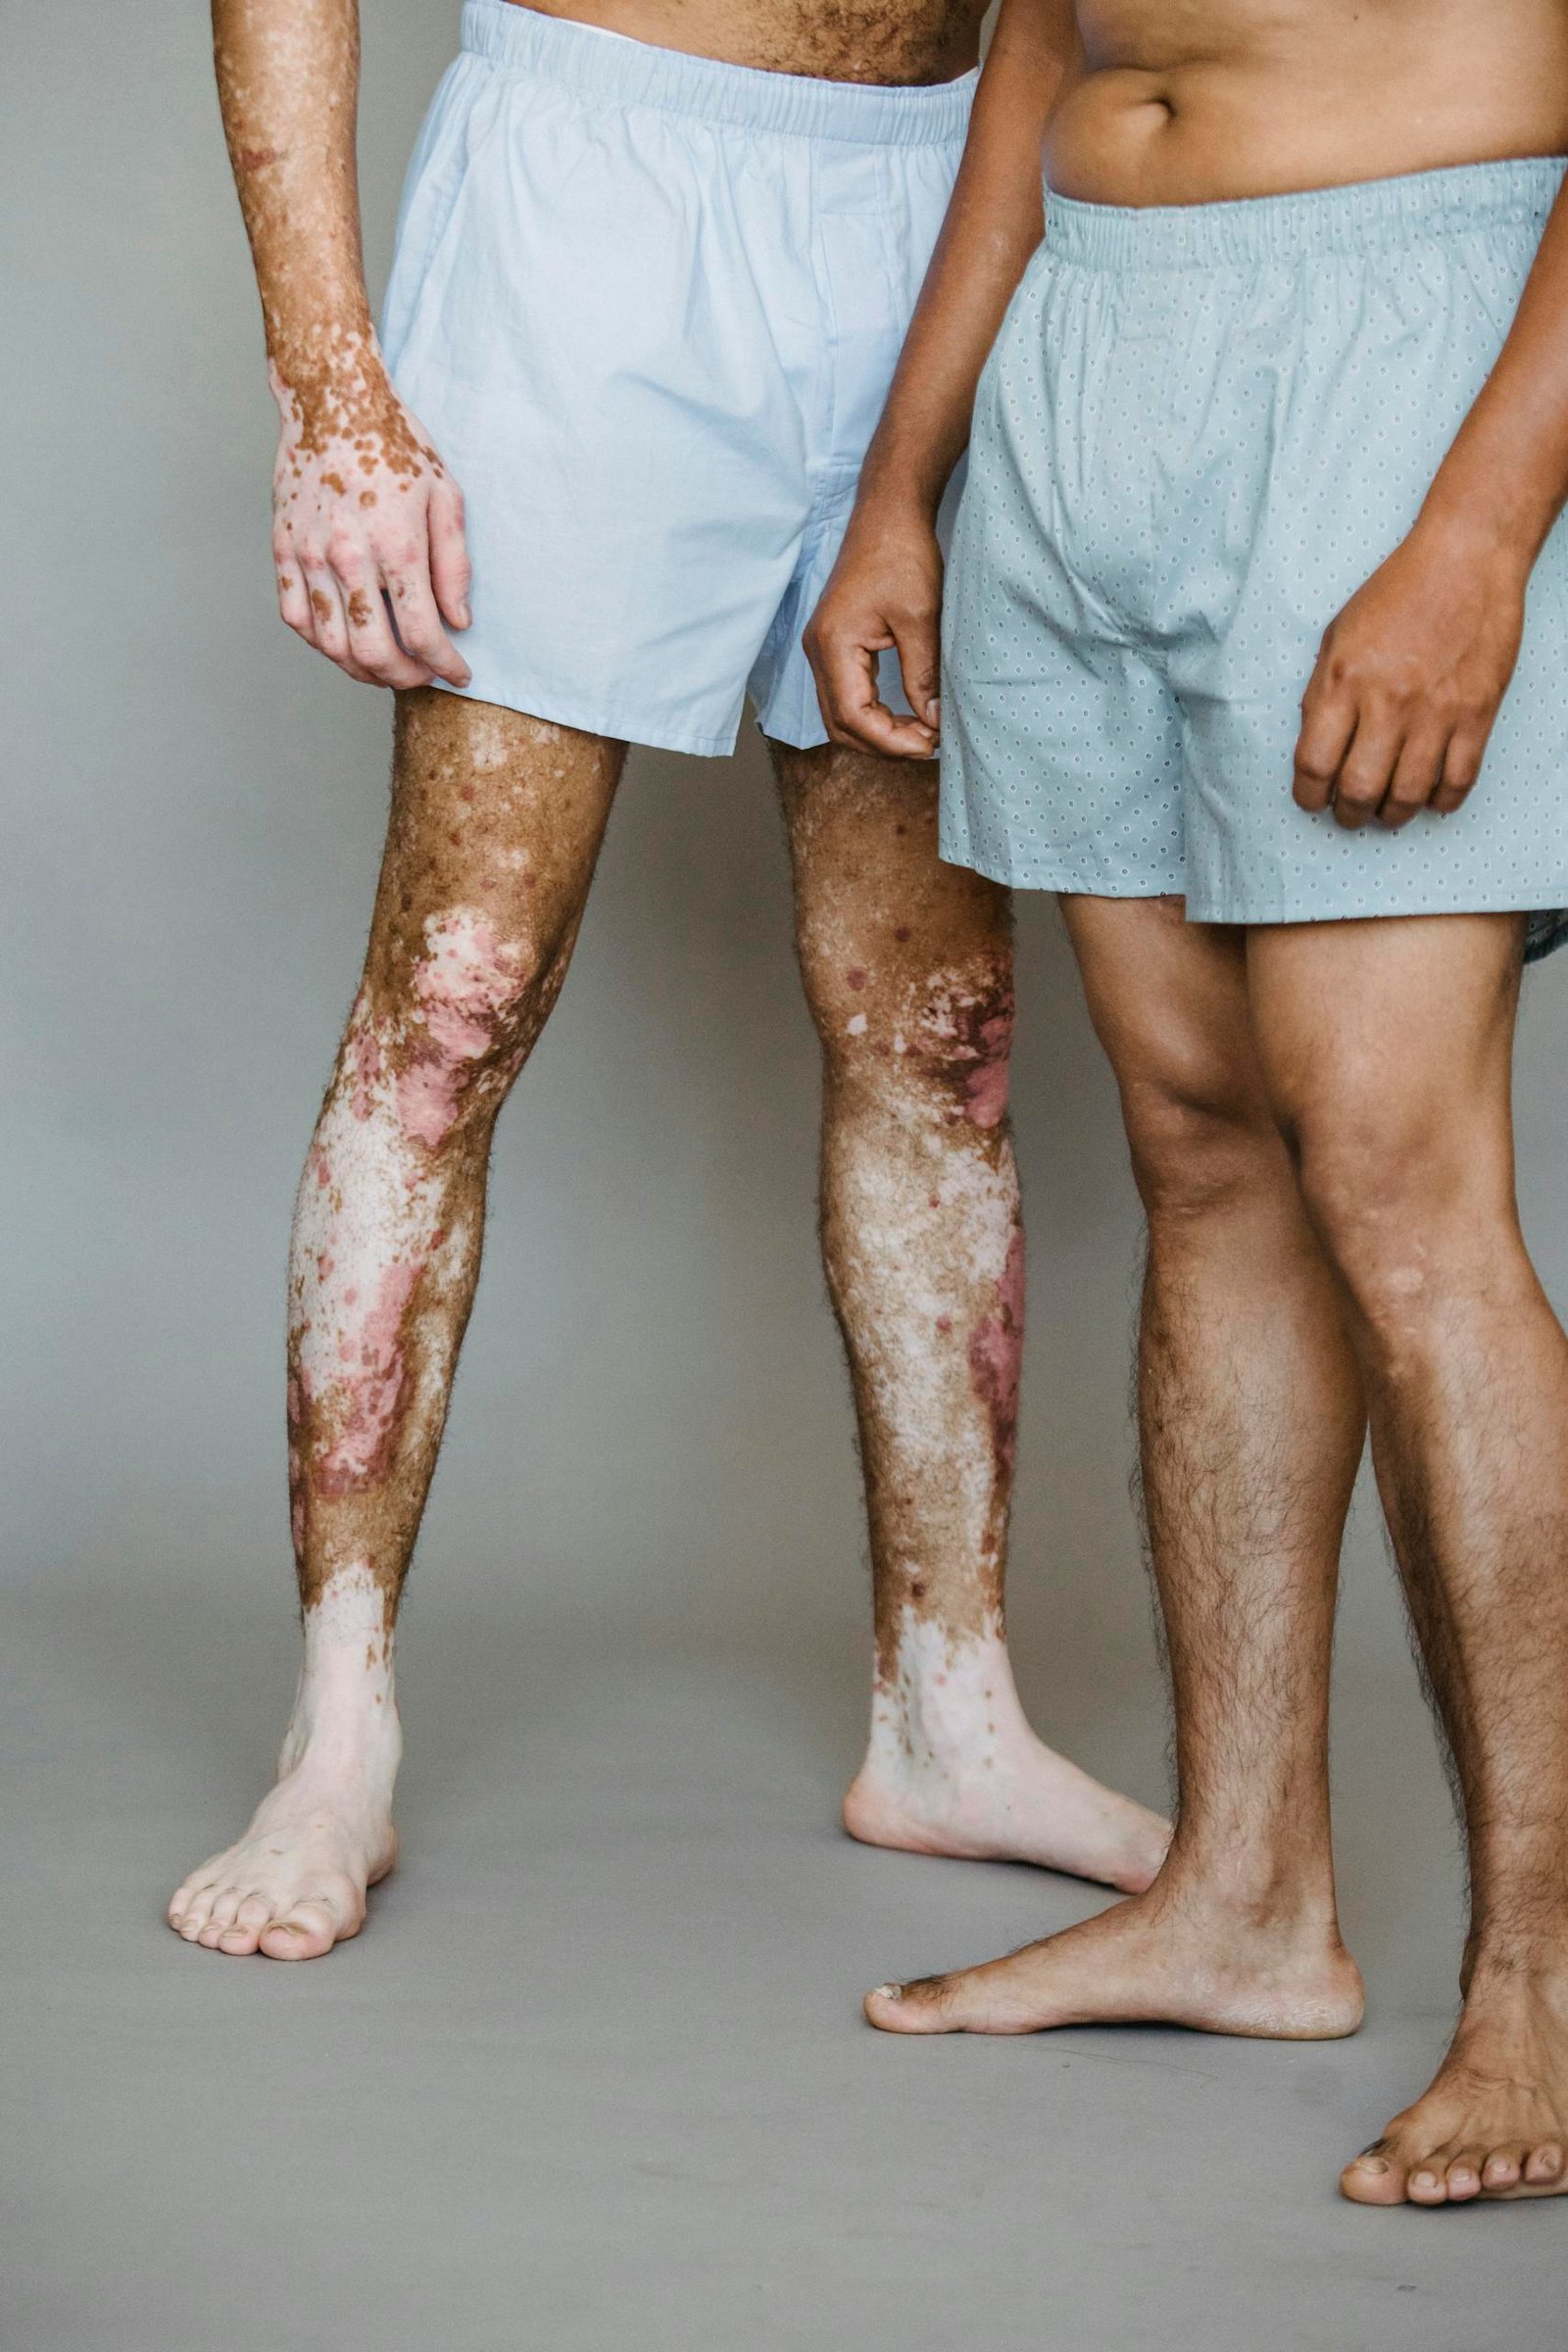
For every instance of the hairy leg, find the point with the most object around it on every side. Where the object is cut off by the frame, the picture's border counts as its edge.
(1388, 1049)
(495, 827)
(1250, 1428)
(908, 968)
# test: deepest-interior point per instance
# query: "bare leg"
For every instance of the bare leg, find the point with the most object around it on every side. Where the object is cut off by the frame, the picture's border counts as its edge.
(495, 827)
(1388, 1047)
(1250, 1428)
(908, 967)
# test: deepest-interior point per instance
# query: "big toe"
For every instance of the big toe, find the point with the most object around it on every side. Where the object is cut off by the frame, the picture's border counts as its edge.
(922, 2007)
(1373, 2179)
(306, 1931)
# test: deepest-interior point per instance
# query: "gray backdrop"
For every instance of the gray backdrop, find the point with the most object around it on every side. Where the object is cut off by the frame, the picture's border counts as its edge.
(595, 2076)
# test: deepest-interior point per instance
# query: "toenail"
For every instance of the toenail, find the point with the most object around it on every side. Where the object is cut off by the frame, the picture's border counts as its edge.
(1371, 2164)
(887, 1992)
(1424, 2181)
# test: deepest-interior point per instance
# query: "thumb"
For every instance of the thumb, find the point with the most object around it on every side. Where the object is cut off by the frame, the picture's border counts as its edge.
(919, 643)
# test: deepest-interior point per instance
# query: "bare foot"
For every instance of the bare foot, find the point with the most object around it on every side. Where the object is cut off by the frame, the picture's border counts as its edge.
(1026, 1805)
(955, 1768)
(1160, 1957)
(296, 1881)
(1495, 2123)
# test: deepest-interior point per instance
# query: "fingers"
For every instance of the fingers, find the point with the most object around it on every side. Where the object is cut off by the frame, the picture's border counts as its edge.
(417, 622)
(329, 624)
(451, 572)
(1383, 765)
(379, 619)
(1328, 724)
(293, 598)
(375, 649)
(1417, 773)
(1460, 769)
(853, 711)
(1366, 771)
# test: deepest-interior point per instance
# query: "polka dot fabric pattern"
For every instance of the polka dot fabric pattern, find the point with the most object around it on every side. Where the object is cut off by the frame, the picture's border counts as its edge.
(1201, 430)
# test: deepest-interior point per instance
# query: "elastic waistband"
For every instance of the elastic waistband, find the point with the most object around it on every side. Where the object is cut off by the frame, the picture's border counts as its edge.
(596, 64)
(1369, 215)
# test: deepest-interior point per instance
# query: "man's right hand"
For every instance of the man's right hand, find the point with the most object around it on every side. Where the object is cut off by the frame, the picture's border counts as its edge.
(368, 533)
(885, 591)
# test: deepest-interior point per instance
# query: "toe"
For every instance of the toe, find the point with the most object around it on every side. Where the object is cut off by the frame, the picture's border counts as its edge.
(226, 1907)
(1462, 2176)
(1544, 2164)
(917, 2008)
(239, 1939)
(196, 1912)
(1373, 2177)
(185, 1896)
(1503, 2168)
(1428, 2180)
(303, 1933)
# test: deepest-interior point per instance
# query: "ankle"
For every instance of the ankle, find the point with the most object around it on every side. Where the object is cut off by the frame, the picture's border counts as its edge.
(343, 1732)
(1285, 1898)
(1531, 1961)
(946, 1702)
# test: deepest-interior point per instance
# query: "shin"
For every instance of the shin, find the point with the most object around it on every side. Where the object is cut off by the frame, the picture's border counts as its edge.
(908, 970)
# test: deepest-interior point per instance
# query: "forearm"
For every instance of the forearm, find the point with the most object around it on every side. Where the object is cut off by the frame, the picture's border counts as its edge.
(1505, 479)
(994, 225)
(288, 86)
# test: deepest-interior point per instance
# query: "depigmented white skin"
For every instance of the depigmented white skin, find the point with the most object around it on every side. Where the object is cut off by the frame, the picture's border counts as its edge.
(908, 967)
(295, 1884)
(496, 822)
(368, 525)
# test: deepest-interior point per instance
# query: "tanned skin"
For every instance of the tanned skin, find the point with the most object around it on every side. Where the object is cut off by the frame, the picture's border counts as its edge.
(496, 823)
(1318, 1113)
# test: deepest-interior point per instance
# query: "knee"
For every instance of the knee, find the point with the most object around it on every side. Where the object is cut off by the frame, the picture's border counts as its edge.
(1201, 1137)
(442, 1028)
(1400, 1205)
(932, 1033)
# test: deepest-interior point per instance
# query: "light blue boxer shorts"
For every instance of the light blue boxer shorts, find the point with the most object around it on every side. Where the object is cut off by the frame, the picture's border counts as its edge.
(1201, 430)
(648, 307)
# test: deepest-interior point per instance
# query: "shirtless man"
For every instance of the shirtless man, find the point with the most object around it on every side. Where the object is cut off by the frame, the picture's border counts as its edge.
(1281, 404)
(647, 296)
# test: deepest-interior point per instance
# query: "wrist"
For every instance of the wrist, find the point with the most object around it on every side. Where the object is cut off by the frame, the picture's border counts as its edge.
(903, 488)
(1505, 525)
(339, 350)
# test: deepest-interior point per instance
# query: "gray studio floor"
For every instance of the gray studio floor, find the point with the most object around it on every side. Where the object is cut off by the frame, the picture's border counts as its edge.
(594, 2078)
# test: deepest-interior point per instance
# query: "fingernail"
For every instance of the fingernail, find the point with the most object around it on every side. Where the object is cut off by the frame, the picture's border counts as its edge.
(465, 618)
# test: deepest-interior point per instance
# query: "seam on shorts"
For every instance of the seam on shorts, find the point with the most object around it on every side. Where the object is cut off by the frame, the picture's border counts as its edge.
(559, 711)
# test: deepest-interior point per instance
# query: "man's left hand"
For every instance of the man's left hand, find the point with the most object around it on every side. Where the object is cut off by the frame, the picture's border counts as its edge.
(1408, 681)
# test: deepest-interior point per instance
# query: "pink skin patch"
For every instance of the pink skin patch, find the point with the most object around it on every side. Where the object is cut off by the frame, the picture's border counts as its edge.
(985, 1090)
(463, 988)
(372, 1391)
(996, 1356)
(973, 1037)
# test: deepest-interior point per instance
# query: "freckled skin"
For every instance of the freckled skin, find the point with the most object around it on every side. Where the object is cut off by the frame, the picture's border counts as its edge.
(368, 526)
(475, 918)
(919, 1198)
(496, 823)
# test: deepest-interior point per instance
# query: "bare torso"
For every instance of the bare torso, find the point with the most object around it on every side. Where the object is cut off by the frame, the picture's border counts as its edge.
(837, 40)
(1187, 101)
(1194, 100)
